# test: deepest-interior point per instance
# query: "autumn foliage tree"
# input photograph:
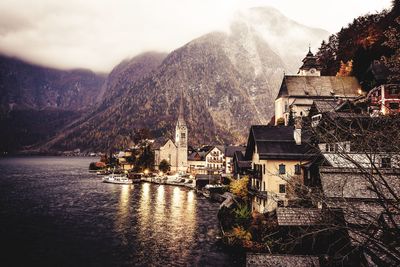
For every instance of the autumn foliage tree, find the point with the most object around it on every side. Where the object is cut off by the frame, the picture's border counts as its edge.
(239, 187)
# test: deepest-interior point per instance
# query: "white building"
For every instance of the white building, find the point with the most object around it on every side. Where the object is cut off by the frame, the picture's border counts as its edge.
(298, 92)
(176, 153)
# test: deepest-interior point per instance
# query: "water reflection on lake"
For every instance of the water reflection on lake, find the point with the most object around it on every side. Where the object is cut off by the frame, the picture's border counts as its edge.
(53, 212)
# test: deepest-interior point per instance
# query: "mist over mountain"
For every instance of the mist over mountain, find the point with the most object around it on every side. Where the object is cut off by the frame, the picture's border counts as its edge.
(288, 38)
(228, 80)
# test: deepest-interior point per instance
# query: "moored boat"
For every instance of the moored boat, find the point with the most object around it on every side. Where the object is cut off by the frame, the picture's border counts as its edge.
(117, 179)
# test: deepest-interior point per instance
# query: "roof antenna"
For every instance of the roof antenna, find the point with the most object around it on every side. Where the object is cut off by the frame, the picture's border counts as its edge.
(309, 47)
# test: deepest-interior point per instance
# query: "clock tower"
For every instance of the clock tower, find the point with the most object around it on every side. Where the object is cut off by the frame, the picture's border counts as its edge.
(310, 65)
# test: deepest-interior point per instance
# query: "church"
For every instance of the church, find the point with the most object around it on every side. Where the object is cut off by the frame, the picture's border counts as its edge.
(176, 153)
(298, 92)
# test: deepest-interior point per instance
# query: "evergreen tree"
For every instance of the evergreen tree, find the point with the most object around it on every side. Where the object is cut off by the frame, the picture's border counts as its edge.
(291, 117)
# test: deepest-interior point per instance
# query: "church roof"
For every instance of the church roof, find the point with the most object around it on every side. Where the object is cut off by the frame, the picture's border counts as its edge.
(160, 142)
(319, 86)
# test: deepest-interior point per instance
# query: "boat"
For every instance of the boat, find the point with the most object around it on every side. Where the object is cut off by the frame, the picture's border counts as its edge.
(117, 179)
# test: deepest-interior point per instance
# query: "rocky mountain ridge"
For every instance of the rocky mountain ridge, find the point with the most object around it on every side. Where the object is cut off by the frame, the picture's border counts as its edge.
(229, 82)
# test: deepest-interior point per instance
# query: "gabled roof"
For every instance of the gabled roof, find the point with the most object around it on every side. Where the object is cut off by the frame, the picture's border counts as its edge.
(161, 142)
(238, 157)
(220, 148)
(230, 150)
(298, 216)
(319, 86)
(197, 156)
(277, 142)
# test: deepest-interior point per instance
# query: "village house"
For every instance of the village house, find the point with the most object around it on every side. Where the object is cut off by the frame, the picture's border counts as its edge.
(240, 166)
(197, 162)
(176, 153)
(215, 159)
(277, 154)
(125, 160)
(229, 154)
(297, 92)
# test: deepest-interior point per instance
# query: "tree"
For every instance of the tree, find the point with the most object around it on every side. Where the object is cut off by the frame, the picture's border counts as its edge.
(345, 69)
(239, 187)
(280, 121)
(291, 116)
(164, 166)
(393, 41)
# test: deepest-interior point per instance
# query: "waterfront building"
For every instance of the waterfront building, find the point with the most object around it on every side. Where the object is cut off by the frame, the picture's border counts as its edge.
(176, 153)
(215, 159)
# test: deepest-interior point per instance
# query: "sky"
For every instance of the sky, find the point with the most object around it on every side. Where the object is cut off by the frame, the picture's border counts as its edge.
(98, 34)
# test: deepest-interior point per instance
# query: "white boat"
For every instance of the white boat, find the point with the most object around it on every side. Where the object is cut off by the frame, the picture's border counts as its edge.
(117, 179)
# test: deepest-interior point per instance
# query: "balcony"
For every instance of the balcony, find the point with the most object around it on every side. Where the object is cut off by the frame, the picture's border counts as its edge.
(220, 161)
(256, 174)
(258, 193)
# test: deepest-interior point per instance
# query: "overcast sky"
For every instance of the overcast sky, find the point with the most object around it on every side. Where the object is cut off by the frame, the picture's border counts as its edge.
(98, 34)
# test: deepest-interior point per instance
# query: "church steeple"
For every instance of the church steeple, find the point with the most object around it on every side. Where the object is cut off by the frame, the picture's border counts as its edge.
(181, 119)
(181, 129)
(310, 65)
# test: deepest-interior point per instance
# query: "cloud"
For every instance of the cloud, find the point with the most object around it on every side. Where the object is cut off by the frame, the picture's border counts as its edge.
(98, 34)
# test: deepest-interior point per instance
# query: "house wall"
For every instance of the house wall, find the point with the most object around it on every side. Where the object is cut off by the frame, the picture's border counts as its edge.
(168, 152)
(282, 108)
(197, 167)
(228, 165)
(270, 182)
(215, 159)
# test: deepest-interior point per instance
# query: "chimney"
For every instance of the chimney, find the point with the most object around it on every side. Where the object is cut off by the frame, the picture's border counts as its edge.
(297, 131)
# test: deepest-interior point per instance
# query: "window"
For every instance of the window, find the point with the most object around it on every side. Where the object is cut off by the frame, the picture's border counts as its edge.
(264, 168)
(297, 169)
(282, 169)
(183, 135)
(282, 188)
(394, 106)
(263, 186)
(326, 147)
(386, 163)
(336, 147)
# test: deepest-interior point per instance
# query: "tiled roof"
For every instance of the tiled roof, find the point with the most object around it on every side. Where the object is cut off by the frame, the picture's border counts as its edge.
(351, 183)
(159, 142)
(319, 86)
(298, 216)
(270, 260)
(325, 105)
(230, 150)
(277, 142)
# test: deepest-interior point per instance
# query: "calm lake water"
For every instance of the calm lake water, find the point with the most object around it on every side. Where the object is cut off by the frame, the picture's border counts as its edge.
(54, 213)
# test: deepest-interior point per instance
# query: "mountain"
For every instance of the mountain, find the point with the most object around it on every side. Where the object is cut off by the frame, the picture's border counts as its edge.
(27, 86)
(37, 101)
(97, 128)
(228, 80)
